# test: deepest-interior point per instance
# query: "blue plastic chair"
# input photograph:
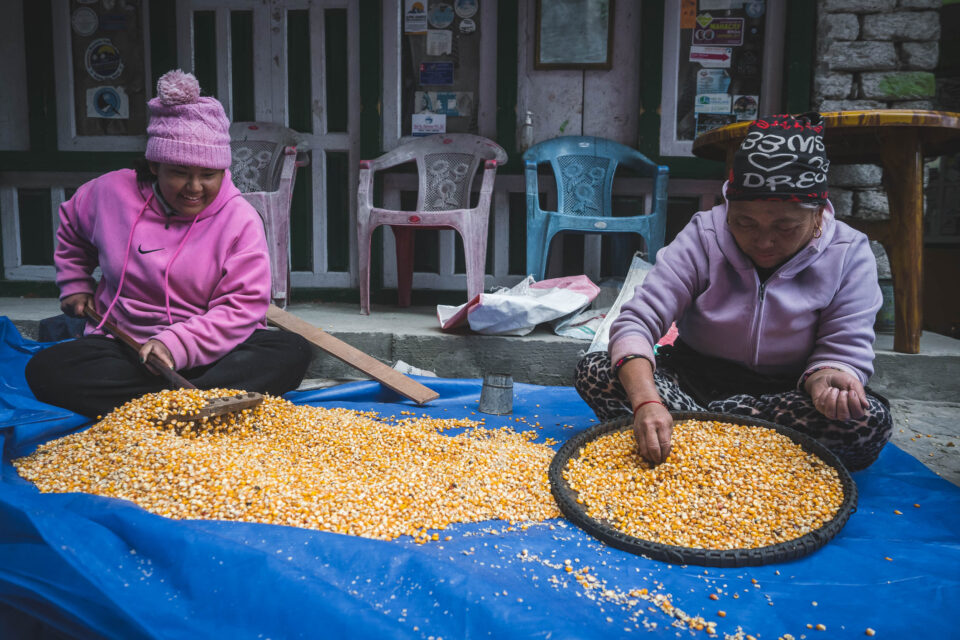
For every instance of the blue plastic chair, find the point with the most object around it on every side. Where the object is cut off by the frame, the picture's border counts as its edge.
(584, 167)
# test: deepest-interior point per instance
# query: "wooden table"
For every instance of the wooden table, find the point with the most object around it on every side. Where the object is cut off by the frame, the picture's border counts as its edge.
(897, 139)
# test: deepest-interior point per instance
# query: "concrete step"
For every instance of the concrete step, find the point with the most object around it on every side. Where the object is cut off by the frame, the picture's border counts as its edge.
(414, 336)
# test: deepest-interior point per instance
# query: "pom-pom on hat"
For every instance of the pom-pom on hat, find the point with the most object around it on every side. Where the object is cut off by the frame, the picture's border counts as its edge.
(184, 128)
(782, 158)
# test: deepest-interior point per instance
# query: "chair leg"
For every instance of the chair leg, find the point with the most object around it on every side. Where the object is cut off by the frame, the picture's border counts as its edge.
(475, 257)
(539, 269)
(364, 235)
(538, 248)
(404, 236)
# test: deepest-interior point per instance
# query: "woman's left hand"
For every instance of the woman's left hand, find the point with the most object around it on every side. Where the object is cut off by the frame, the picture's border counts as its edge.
(159, 351)
(837, 394)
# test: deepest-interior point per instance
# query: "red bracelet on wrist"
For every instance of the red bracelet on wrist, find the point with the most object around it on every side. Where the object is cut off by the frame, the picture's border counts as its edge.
(650, 402)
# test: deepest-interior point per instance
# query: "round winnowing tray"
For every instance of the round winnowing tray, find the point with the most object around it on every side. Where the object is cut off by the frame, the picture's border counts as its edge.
(792, 549)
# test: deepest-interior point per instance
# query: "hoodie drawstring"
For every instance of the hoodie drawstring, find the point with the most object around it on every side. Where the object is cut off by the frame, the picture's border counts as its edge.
(166, 273)
(126, 259)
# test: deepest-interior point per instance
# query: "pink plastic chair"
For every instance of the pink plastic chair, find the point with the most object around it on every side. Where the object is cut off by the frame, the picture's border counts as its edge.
(264, 167)
(446, 164)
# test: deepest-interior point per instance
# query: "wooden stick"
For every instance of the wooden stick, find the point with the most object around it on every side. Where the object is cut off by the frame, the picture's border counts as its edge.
(339, 349)
(214, 406)
(169, 374)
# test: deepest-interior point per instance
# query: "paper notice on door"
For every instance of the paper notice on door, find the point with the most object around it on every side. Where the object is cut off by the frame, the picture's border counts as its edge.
(439, 42)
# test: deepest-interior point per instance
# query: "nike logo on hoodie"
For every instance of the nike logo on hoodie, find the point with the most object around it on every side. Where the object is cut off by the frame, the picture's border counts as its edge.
(140, 249)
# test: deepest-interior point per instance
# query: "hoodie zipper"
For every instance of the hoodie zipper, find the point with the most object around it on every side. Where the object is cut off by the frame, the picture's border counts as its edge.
(758, 314)
(758, 322)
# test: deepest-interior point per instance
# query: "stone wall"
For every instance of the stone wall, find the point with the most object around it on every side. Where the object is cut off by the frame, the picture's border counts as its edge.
(873, 54)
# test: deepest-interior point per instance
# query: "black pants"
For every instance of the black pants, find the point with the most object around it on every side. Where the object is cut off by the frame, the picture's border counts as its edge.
(93, 375)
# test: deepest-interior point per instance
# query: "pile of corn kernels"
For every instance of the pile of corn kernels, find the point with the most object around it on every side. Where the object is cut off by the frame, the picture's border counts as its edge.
(723, 486)
(329, 469)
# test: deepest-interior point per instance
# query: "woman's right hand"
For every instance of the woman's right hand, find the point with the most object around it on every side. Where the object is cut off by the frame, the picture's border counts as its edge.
(652, 423)
(653, 428)
(74, 305)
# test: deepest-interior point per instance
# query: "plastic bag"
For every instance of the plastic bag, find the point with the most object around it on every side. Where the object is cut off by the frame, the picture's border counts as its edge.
(639, 268)
(516, 311)
(582, 326)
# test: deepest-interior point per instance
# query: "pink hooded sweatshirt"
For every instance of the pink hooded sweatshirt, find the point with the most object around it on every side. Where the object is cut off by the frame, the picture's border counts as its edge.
(200, 285)
(816, 310)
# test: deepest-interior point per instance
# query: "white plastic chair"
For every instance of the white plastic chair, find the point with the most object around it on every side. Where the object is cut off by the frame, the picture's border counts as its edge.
(264, 167)
(446, 164)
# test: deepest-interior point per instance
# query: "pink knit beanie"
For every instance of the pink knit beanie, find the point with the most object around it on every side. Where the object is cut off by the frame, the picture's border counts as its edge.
(184, 128)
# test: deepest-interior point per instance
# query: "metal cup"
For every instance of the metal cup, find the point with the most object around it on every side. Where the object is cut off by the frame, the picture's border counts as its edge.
(496, 395)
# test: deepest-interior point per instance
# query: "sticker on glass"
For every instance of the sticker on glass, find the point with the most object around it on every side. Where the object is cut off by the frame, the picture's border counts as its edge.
(467, 25)
(415, 17)
(688, 14)
(714, 57)
(103, 60)
(84, 21)
(439, 42)
(712, 103)
(718, 32)
(709, 121)
(436, 73)
(745, 107)
(448, 103)
(713, 81)
(755, 9)
(466, 8)
(108, 102)
(427, 124)
(440, 15)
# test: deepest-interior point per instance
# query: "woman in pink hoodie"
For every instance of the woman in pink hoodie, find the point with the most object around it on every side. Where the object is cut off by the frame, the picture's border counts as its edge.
(184, 270)
(775, 302)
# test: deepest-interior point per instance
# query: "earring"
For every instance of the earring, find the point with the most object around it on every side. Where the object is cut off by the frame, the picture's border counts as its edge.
(817, 232)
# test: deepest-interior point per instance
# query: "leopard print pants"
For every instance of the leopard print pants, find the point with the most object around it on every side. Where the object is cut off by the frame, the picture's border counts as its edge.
(856, 442)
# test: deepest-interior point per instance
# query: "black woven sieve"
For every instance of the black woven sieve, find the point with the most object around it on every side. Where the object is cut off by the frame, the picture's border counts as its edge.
(791, 550)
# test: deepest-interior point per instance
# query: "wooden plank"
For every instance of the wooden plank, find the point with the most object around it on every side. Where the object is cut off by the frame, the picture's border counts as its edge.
(339, 349)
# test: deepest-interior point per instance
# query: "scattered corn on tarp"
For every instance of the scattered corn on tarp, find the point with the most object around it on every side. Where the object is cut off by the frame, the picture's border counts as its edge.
(74, 565)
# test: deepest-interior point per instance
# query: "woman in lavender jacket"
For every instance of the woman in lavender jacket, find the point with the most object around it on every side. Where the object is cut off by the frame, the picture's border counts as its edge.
(774, 300)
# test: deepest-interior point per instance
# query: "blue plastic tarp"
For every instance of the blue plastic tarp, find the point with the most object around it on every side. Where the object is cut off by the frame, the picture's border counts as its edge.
(76, 565)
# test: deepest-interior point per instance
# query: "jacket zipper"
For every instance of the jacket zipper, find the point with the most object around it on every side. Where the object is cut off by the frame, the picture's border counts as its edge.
(758, 325)
(758, 315)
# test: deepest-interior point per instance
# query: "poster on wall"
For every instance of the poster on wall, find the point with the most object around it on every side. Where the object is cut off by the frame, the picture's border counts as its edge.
(107, 49)
(440, 66)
